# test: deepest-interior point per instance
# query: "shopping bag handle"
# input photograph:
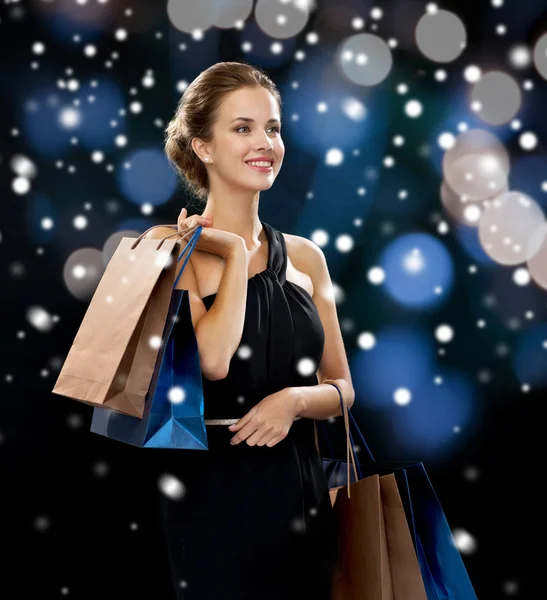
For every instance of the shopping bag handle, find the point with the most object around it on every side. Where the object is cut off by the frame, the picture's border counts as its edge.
(348, 431)
(168, 226)
(196, 230)
(346, 412)
(350, 451)
(192, 242)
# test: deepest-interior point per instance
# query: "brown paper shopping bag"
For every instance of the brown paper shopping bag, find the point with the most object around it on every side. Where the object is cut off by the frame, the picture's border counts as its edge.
(376, 558)
(405, 569)
(363, 567)
(112, 358)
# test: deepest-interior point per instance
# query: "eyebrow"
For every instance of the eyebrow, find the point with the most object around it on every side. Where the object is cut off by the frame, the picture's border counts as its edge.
(252, 120)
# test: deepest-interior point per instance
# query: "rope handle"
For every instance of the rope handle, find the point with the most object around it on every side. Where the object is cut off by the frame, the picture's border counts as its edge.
(346, 412)
(168, 226)
(190, 244)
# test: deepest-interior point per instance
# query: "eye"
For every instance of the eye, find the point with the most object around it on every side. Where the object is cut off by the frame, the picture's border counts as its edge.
(247, 127)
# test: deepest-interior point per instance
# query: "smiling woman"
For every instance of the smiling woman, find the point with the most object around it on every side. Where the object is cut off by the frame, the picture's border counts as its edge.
(256, 520)
(209, 129)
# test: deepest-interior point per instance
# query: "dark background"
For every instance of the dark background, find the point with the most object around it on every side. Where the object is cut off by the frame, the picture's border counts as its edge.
(79, 511)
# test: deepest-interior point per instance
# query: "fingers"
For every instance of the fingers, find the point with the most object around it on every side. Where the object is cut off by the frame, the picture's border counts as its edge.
(236, 426)
(275, 441)
(269, 439)
(185, 222)
(243, 420)
(259, 437)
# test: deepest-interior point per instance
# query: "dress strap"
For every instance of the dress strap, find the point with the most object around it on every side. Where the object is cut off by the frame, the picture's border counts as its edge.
(277, 252)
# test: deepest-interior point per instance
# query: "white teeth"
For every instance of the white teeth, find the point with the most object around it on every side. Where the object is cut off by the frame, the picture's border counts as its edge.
(261, 163)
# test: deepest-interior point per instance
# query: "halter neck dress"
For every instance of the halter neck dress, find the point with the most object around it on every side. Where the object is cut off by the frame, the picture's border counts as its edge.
(256, 522)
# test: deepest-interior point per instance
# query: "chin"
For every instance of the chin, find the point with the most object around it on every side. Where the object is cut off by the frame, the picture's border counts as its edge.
(254, 187)
(264, 187)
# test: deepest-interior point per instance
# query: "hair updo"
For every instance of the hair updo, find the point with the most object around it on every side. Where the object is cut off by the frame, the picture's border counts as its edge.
(196, 113)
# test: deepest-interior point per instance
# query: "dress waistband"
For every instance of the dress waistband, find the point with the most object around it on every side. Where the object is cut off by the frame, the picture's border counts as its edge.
(228, 421)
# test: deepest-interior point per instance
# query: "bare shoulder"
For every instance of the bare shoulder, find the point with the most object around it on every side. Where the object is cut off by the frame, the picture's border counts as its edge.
(334, 362)
(304, 254)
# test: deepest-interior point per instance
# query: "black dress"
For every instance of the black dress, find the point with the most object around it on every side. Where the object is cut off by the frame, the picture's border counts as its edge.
(255, 522)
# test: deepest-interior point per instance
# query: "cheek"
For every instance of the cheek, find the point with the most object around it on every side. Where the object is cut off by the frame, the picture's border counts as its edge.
(233, 148)
(279, 151)
(241, 149)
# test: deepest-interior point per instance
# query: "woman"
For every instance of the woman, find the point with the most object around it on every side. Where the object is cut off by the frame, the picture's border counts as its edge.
(255, 520)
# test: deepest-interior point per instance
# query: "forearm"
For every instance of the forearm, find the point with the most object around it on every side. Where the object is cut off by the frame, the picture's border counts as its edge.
(220, 330)
(322, 401)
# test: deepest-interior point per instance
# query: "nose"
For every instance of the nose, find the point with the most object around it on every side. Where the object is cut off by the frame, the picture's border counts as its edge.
(264, 143)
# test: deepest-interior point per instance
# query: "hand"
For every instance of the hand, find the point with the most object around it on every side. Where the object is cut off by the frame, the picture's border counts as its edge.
(269, 421)
(215, 241)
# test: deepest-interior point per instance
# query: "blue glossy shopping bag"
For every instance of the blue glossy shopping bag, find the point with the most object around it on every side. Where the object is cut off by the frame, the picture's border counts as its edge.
(443, 571)
(174, 407)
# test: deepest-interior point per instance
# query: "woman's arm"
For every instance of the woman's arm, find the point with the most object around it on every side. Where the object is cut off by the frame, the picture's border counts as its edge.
(220, 330)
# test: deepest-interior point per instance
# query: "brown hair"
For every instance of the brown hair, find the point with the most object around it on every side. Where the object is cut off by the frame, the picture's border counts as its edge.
(196, 113)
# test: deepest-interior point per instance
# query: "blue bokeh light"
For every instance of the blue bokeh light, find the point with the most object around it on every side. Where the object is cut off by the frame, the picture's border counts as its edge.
(468, 237)
(402, 358)
(416, 264)
(139, 224)
(527, 175)
(50, 120)
(95, 131)
(317, 131)
(438, 417)
(150, 178)
(530, 356)
(63, 24)
(42, 129)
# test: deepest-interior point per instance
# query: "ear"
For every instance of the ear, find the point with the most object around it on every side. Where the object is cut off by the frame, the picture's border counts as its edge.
(201, 149)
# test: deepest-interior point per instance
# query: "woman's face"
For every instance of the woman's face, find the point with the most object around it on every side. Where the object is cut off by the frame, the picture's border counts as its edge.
(247, 127)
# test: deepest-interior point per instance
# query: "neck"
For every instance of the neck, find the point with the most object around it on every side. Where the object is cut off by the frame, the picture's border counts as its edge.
(236, 212)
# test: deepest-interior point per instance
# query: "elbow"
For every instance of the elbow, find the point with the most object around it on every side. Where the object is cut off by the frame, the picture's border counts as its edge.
(212, 367)
(351, 397)
(213, 373)
(350, 394)
(218, 374)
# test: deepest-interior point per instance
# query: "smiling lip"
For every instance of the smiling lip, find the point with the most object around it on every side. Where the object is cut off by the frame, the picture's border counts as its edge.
(262, 169)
